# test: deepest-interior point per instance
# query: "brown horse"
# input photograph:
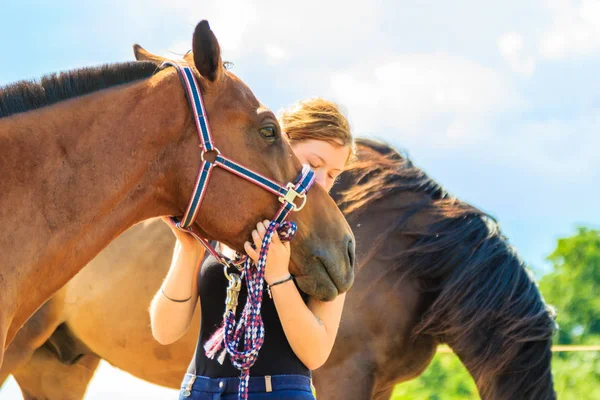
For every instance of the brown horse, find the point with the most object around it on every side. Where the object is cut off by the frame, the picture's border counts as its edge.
(89, 153)
(432, 270)
(438, 271)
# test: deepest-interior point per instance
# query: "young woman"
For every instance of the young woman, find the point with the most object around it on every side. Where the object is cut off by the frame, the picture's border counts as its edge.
(299, 330)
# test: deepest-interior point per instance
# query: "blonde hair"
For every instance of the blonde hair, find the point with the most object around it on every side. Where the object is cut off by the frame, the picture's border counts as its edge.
(317, 119)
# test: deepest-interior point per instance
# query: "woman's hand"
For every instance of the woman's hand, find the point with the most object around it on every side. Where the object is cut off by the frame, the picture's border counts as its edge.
(187, 241)
(278, 258)
(173, 305)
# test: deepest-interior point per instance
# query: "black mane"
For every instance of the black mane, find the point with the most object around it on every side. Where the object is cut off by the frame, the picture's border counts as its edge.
(379, 170)
(29, 95)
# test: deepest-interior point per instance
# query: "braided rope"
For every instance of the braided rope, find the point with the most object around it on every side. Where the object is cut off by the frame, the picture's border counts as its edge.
(227, 338)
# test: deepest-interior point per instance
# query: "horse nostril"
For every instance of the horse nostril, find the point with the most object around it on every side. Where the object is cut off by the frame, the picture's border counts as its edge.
(351, 255)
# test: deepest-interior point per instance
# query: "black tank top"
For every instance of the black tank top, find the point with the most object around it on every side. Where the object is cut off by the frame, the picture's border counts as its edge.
(276, 357)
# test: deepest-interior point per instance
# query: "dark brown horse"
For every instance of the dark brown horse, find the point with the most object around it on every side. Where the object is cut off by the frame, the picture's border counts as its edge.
(89, 153)
(432, 270)
(438, 271)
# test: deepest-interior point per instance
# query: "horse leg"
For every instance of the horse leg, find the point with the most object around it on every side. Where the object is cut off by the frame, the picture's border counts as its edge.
(31, 336)
(60, 369)
(15, 355)
(352, 378)
(45, 377)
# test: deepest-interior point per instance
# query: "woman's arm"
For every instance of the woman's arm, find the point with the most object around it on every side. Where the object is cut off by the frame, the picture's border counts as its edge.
(173, 306)
(310, 329)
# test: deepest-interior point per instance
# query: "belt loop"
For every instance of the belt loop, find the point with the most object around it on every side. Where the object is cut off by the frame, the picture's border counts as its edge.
(188, 388)
(268, 386)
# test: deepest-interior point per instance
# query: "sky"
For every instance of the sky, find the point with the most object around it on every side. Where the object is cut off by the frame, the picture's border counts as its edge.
(498, 101)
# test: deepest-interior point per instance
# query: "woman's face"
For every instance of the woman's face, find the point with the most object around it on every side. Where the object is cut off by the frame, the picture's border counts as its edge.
(326, 159)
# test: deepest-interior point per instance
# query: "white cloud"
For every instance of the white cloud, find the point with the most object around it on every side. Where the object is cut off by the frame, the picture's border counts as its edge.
(231, 20)
(275, 54)
(302, 31)
(392, 79)
(511, 47)
(448, 98)
(554, 148)
(575, 29)
(510, 44)
(572, 28)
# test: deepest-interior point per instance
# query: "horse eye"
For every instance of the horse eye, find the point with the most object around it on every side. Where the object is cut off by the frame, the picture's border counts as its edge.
(269, 131)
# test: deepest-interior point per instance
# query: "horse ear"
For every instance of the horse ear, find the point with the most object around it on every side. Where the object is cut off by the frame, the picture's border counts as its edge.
(207, 53)
(142, 54)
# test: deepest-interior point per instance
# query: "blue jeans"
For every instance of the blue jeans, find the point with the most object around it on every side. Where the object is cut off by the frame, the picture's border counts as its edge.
(285, 387)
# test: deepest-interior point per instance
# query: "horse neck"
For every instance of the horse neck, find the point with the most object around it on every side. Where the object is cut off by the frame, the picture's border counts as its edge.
(78, 174)
(519, 378)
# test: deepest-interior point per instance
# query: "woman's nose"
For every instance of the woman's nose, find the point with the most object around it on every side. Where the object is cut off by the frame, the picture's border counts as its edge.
(321, 178)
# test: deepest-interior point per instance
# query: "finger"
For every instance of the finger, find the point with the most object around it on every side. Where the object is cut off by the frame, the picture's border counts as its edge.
(287, 246)
(275, 239)
(250, 251)
(267, 223)
(257, 239)
(260, 227)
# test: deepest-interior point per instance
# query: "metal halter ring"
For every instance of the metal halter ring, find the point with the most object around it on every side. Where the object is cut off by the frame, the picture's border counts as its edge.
(291, 195)
(215, 150)
(227, 275)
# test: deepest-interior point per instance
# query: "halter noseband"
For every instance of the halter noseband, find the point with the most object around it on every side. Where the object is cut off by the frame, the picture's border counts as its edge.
(287, 194)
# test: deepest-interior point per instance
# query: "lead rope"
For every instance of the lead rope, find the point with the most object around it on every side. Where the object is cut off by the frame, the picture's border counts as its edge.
(227, 337)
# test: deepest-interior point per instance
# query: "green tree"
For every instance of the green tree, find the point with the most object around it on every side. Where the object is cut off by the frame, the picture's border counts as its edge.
(445, 379)
(573, 287)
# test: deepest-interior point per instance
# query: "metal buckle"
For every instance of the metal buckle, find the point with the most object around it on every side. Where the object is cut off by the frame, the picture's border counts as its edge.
(214, 150)
(233, 292)
(291, 195)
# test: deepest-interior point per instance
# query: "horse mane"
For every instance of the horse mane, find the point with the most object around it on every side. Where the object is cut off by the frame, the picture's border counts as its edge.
(485, 304)
(379, 171)
(30, 95)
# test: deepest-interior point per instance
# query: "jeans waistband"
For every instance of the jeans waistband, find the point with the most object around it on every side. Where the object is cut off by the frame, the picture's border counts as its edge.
(256, 383)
